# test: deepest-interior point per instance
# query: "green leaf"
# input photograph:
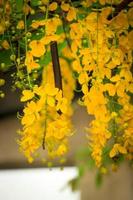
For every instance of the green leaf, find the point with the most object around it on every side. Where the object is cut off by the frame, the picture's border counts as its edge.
(98, 179)
(45, 60)
(73, 183)
(85, 42)
(19, 5)
(105, 156)
(35, 2)
(119, 159)
(37, 36)
(131, 97)
(59, 30)
(61, 46)
(90, 163)
(81, 170)
(5, 61)
(113, 127)
(81, 16)
(22, 44)
(113, 105)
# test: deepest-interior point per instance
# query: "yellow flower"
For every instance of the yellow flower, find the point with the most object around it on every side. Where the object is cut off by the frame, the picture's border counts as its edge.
(50, 90)
(117, 148)
(65, 6)
(121, 87)
(85, 88)
(20, 24)
(53, 6)
(117, 56)
(59, 128)
(30, 63)
(37, 48)
(27, 95)
(83, 77)
(62, 149)
(51, 101)
(74, 45)
(5, 44)
(28, 120)
(30, 113)
(76, 66)
(110, 88)
(62, 103)
(71, 15)
(35, 24)
(31, 108)
(115, 78)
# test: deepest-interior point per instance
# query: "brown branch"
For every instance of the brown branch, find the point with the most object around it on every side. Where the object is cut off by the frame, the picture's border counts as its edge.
(57, 77)
(119, 8)
(56, 65)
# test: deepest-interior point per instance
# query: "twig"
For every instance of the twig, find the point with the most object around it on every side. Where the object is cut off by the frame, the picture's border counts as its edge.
(119, 8)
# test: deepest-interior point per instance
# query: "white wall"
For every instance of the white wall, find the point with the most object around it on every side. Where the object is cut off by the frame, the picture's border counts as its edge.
(37, 184)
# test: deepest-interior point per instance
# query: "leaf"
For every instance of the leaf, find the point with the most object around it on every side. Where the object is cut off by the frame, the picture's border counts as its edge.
(37, 36)
(80, 16)
(113, 105)
(73, 183)
(22, 44)
(45, 60)
(131, 97)
(19, 5)
(61, 46)
(96, 5)
(59, 30)
(90, 163)
(5, 59)
(35, 2)
(119, 159)
(113, 127)
(81, 170)
(105, 155)
(98, 179)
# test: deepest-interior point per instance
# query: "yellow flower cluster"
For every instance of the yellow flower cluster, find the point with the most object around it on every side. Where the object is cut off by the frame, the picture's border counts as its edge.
(102, 52)
(48, 110)
(45, 121)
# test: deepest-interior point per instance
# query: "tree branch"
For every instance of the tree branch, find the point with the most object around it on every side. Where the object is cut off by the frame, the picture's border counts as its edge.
(119, 8)
(56, 65)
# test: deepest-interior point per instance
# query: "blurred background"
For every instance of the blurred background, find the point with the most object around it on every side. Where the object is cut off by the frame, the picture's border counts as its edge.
(21, 180)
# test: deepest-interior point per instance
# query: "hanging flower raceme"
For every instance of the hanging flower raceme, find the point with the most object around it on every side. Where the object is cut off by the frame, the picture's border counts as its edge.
(104, 72)
(43, 125)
